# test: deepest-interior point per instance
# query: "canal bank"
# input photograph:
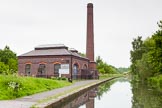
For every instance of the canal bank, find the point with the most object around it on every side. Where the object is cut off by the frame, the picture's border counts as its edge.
(53, 97)
(65, 96)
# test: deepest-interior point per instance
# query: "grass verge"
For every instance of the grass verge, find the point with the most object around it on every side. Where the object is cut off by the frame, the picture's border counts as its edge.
(103, 76)
(12, 87)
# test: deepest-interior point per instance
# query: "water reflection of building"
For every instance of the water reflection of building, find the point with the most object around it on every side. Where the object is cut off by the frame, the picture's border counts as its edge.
(91, 101)
(86, 99)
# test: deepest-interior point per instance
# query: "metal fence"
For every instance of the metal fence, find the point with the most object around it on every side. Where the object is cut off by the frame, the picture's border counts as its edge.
(83, 74)
(89, 74)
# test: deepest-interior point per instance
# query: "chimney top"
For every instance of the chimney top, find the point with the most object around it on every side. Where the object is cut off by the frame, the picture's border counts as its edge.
(89, 5)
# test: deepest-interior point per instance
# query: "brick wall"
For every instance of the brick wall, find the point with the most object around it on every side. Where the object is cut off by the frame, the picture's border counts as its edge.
(49, 62)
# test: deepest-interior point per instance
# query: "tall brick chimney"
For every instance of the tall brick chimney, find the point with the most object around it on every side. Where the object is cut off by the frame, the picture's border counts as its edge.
(90, 36)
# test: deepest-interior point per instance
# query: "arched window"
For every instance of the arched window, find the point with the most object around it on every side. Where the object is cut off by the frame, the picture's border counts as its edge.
(27, 69)
(56, 68)
(42, 68)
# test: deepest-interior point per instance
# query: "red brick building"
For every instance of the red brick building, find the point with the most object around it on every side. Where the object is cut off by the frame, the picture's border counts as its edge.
(58, 60)
(52, 60)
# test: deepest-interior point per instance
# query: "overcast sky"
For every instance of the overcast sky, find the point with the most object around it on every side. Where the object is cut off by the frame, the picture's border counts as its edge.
(25, 24)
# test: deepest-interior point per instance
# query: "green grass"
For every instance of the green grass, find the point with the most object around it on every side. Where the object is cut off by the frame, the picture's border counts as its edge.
(12, 87)
(103, 76)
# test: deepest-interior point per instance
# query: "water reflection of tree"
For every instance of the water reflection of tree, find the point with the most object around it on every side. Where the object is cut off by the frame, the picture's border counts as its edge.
(145, 97)
(104, 88)
(124, 79)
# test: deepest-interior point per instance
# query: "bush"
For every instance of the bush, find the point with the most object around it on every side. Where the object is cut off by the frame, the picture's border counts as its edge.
(63, 78)
(58, 78)
(160, 83)
(155, 82)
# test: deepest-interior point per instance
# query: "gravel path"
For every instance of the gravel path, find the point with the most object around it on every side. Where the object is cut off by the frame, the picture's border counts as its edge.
(28, 101)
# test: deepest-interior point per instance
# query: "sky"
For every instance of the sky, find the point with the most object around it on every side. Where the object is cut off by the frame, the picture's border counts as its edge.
(25, 24)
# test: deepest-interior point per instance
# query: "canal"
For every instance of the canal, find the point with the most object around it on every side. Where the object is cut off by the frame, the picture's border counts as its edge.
(118, 93)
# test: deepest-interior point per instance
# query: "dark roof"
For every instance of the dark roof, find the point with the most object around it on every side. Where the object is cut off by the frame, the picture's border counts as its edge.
(51, 46)
(47, 52)
(51, 50)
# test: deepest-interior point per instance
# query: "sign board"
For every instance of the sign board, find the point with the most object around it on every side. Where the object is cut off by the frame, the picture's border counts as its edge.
(64, 69)
(64, 66)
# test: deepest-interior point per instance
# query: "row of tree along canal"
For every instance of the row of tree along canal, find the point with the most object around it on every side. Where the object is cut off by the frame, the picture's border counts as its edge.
(146, 58)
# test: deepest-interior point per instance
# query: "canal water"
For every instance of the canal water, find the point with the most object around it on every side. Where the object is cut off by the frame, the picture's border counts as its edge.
(118, 93)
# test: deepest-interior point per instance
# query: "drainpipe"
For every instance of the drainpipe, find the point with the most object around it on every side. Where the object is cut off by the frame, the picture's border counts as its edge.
(71, 69)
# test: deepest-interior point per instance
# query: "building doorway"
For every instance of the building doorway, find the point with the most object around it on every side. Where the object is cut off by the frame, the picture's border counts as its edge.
(75, 71)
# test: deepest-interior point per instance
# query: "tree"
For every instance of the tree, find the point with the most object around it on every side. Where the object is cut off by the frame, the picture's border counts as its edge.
(99, 60)
(12, 63)
(146, 56)
(145, 67)
(158, 48)
(8, 61)
(123, 69)
(3, 68)
(136, 53)
(82, 54)
(104, 68)
(7, 54)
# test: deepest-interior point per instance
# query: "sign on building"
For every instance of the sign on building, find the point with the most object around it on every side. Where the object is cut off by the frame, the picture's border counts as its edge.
(64, 69)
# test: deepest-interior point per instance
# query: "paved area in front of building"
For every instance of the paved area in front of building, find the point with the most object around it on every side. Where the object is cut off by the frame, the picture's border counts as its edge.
(28, 101)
